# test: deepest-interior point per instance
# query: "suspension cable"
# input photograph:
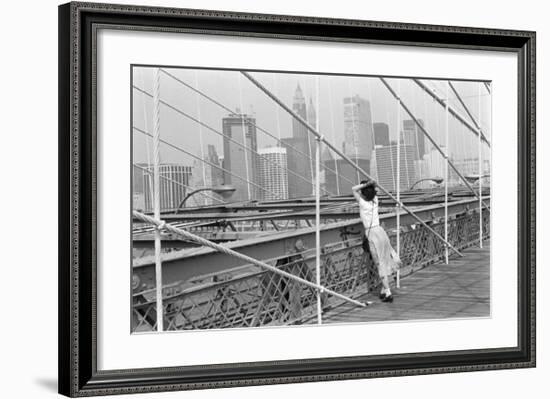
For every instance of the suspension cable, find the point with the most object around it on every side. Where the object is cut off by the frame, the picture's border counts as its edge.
(243, 146)
(203, 160)
(354, 165)
(445, 156)
(219, 104)
(452, 111)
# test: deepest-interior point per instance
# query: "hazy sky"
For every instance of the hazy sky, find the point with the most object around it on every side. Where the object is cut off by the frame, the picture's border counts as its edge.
(234, 91)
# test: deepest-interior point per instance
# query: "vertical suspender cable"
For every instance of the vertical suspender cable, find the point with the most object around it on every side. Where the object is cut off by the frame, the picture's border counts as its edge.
(318, 210)
(156, 196)
(355, 134)
(334, 137)
(311, 161)
(398, 202)
(246, 165)
(346, 158)
(201, 143)
(480, 168)
(447, 173)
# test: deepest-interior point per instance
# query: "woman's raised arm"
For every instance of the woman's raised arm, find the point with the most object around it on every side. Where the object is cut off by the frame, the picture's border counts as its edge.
(356, 189)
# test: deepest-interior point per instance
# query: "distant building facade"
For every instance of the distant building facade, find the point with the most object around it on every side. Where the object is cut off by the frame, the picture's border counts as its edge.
(412, 135)
(299, 149)
(174, 180)
(468, 167)
(340, 176)
(384, 166)
(138, 180)
(358, 130)
(381, 133)
(241, 164)
(273, 173)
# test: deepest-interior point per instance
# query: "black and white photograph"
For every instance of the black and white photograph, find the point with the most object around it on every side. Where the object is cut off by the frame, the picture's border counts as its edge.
(273, 198)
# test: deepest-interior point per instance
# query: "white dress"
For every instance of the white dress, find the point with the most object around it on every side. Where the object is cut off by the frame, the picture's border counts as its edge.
(383, 255)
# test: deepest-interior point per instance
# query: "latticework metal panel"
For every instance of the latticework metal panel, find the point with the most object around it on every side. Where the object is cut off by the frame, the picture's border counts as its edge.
(248, 298)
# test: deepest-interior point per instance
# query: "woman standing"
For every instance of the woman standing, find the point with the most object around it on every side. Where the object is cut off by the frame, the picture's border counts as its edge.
(383, 255)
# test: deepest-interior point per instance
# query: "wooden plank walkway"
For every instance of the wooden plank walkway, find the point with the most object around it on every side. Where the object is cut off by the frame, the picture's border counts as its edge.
(458, 290)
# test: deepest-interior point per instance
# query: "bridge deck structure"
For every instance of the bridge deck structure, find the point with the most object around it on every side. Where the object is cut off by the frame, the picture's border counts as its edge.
(439, 291)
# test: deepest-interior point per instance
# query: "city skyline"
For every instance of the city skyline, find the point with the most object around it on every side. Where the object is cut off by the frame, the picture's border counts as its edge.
(362, 129)
(235, 93)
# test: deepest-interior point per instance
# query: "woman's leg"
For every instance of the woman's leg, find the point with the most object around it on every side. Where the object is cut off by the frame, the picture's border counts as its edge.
(386, 285)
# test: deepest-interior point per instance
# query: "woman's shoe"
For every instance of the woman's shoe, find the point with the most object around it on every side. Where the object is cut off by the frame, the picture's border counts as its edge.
(388, 298)
(382, 295)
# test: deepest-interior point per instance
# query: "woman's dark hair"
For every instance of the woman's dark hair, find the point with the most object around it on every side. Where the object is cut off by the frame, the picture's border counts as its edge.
(368, 192)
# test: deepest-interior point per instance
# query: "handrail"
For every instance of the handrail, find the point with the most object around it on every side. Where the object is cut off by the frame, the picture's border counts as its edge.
(161, 225)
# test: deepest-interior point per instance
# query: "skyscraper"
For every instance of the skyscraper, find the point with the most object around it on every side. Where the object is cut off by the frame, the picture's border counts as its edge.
(381, 133)
(138, 181)
(299, 106)
(384, 166)
(413, 135)
(273, 173)
(435, 163)
(311, 114)
(216, 173)
(358, 134)
(299, 150)
(174, 178)
(207, 174)
(240, 164)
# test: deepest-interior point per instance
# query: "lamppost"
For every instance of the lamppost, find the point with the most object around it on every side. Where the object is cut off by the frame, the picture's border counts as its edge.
(474, 178)
(224, 191)
(436, 180)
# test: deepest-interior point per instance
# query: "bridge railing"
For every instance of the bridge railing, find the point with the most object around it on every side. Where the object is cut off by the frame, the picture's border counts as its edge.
(245, 297)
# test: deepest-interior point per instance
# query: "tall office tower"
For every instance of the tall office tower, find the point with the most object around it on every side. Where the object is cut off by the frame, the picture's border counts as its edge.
(328, 172)
(413, 135)
(300, 179)
(385, 165)
(208, 174)
(299, 151)
(240, 163)
(311, 114)
(358, 133)
(435, 164)
(174, 180)
(381, 133)
(299, 106)
(200, 177)
(273, 173)
(216, 172)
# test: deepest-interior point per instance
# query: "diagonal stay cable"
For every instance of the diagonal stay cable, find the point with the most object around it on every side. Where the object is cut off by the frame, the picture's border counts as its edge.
(354, 165)
(252, 123)
(452, 111)
(161, 225)
(183, 113)
(461, 101)
(436, 146)
(208, 163)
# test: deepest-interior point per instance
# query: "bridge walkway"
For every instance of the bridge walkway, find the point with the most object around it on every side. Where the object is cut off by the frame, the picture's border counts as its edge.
(439, 291)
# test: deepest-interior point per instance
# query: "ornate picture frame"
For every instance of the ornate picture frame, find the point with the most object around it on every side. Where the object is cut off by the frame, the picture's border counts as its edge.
(78, 156)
